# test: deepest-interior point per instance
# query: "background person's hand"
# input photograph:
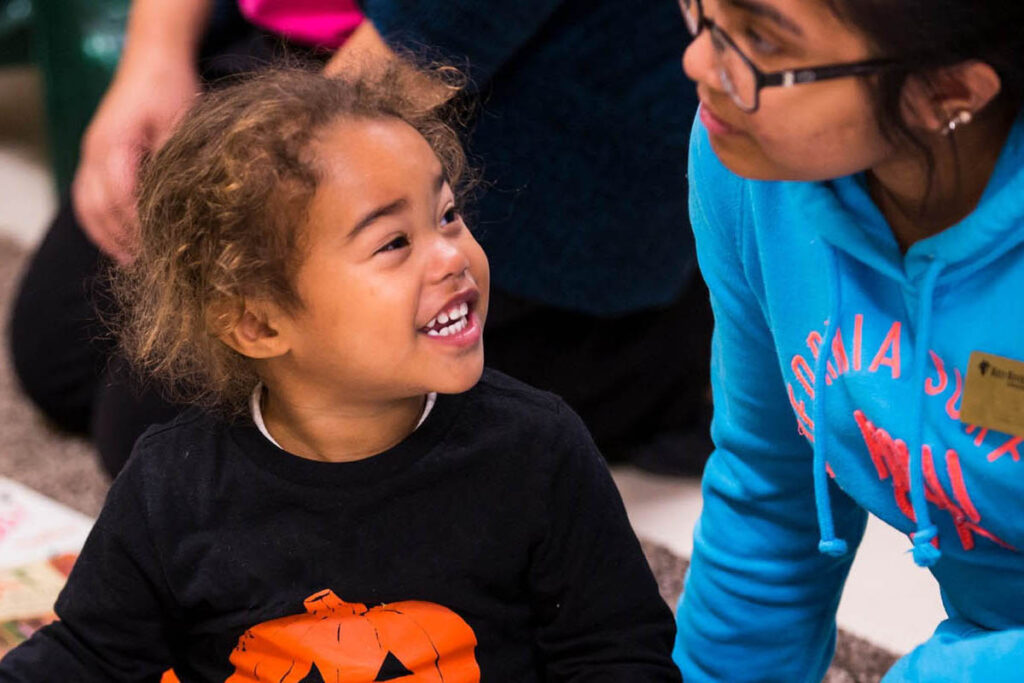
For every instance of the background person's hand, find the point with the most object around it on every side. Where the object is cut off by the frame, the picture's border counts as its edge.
(137, 114)
(155, 83)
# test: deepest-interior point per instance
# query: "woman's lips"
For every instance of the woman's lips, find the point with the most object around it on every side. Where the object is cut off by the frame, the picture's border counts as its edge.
(715, 125)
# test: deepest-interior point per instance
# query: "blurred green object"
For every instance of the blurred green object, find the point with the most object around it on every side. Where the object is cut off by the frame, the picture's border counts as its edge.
(15, 32)
(76, 44)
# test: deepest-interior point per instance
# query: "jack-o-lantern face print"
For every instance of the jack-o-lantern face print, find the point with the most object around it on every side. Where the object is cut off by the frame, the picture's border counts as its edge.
(340, 641)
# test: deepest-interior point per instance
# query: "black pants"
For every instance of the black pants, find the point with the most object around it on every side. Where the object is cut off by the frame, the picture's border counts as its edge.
(64, 356)
(639, 381)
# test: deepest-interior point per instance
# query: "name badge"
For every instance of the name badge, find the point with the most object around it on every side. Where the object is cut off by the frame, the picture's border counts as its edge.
(994, 393)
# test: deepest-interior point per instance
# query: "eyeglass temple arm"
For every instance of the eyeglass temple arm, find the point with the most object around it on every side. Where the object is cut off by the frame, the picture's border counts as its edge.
(793, 77)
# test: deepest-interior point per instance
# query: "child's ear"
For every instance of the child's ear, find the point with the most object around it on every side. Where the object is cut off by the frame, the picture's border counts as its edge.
(254, 333)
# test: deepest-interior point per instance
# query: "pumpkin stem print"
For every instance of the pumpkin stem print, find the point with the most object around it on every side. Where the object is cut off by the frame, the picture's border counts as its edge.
(337, 641)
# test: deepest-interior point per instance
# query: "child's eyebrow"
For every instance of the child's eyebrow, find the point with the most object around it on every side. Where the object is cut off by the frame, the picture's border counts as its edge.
(389, 209)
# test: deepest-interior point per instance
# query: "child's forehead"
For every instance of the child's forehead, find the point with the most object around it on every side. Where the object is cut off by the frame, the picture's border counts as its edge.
(383, 135)
(374, 152)
(368, 165)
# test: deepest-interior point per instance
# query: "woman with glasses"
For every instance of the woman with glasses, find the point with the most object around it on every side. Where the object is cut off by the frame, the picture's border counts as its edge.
(857, 194)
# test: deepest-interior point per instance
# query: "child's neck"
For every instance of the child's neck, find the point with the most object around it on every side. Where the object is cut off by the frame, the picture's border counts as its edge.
(338, 432)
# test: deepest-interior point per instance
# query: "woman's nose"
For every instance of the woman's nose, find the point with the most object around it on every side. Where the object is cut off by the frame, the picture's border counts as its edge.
(699, 62)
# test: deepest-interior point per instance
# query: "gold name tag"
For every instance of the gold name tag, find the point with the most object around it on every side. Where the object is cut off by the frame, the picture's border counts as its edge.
(994, 394)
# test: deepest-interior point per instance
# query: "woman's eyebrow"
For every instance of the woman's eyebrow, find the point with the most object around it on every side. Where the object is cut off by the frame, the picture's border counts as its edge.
(761, 9)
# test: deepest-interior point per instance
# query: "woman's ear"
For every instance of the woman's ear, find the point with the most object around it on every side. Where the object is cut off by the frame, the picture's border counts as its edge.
(253, 332)
(932, 102)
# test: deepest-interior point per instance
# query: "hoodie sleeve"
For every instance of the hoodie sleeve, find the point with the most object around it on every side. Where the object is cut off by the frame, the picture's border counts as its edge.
(959, 652)
(482, 35)
(760, 600)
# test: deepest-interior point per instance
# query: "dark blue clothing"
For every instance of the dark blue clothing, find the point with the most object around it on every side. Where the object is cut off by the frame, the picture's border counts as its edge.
(583, 129)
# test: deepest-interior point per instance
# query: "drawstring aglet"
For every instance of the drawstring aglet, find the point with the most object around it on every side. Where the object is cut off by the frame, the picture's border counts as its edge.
(925, 554)
(835, 547)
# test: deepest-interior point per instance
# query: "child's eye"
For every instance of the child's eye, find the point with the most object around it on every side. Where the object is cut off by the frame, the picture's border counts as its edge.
(449, 216)
(399, 242)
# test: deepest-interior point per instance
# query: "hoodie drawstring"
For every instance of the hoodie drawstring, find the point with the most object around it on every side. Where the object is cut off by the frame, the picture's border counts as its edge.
(829, 544)
(925, 554)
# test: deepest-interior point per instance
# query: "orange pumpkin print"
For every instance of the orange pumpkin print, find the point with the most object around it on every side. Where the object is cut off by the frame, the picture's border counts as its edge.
(342, 641)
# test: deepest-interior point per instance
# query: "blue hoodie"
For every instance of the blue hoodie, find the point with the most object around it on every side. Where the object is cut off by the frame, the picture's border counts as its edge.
(838, 369)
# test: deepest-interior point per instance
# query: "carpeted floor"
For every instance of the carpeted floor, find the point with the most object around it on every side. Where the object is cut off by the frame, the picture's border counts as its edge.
(65, 468)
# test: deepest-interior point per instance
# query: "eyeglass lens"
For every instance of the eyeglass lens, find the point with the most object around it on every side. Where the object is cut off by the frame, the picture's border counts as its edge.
(738, 78)
(691, 15)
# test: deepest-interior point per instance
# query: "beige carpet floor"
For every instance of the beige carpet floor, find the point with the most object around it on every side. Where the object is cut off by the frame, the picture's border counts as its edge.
(65, 468)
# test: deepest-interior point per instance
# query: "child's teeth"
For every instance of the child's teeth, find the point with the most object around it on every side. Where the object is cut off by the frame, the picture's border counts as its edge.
(449, 323)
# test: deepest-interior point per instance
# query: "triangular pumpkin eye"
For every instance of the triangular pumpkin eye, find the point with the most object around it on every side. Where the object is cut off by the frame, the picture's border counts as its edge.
(314, 676)
(391, 669)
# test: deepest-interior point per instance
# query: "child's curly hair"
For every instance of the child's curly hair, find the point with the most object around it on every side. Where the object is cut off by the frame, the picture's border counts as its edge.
(220, 207)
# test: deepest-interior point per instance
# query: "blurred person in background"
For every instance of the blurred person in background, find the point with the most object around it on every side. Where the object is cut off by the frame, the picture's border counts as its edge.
(580, 132)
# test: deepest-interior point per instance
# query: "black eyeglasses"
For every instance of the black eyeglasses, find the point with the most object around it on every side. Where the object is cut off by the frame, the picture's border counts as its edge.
(741, 78)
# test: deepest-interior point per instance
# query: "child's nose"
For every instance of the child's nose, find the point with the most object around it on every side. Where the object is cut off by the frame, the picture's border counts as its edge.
(448, 260)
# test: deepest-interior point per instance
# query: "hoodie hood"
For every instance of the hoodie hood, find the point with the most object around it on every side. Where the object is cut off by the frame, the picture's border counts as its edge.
(851, 225)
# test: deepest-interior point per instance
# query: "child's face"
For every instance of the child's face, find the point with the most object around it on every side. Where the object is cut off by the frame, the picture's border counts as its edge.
(393, 287)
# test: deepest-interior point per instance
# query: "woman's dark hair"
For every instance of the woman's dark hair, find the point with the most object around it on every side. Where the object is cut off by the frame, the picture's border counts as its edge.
(924, 36)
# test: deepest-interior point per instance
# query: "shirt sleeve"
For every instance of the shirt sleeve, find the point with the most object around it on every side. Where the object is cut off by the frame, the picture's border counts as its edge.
(759, 600)
(111, 624)
(960, 652)
(477, 34)
(600, 615)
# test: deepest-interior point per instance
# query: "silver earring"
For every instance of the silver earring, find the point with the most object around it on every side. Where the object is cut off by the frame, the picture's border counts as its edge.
(961, 118)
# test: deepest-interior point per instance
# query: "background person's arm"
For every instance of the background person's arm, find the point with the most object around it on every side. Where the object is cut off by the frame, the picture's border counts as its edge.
(366, 51)
(473, 35)
(155, 83)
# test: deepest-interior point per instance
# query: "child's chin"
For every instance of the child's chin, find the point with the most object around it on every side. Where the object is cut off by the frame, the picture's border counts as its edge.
(464, 379)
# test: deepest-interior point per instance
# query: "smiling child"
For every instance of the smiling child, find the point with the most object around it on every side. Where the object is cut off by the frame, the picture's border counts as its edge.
(354, 498)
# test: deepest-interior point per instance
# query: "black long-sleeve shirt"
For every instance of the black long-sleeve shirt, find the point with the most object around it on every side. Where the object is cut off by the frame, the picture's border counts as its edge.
(492, 537)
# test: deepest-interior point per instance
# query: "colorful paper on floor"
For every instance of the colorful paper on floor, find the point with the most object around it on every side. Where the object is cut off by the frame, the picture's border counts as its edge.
(34, 528)
(39, 541)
